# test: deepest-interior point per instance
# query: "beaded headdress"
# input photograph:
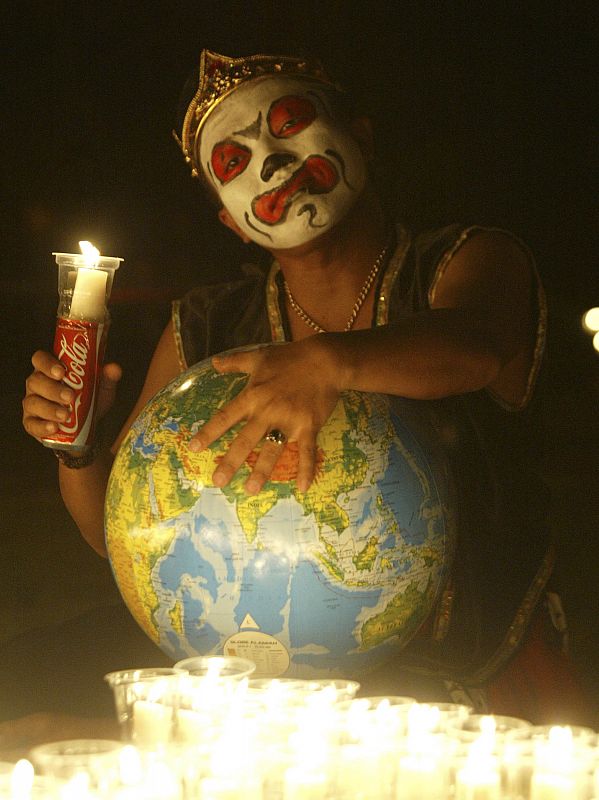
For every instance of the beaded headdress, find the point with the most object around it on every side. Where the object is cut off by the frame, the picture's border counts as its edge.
(220, 75)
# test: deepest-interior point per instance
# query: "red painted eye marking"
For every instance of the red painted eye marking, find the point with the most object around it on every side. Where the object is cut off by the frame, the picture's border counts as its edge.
(289, 115)
(229, 160)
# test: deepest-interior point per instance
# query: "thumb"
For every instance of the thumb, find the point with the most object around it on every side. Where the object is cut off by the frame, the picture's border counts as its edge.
(235, 362)
(111, 375)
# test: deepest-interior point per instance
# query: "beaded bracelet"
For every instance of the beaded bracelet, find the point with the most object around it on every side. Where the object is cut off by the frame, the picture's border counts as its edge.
(77, 462)
(85, 457)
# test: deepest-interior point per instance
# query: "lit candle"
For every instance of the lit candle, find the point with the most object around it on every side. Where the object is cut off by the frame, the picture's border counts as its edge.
(419, 774)
(151, 723)
(21, 780)
(89, 295)
(553, 777)
(302, 784)
(479, 778)
(77, 788)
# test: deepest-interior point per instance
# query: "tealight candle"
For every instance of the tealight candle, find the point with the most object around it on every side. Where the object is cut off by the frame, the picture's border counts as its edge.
(479, 778)
(553, 776)
(151, 723)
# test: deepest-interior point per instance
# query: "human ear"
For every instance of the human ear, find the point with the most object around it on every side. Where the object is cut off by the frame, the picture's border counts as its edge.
(361, 129)
(228, 220)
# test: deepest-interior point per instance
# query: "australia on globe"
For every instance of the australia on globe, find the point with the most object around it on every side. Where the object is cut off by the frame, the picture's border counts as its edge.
(331, 582)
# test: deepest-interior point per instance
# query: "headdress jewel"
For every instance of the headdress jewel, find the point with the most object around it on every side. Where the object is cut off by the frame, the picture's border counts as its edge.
(220, 75)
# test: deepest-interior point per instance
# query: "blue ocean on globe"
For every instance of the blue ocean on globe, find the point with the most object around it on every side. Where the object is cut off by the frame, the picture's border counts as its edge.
(331, 582)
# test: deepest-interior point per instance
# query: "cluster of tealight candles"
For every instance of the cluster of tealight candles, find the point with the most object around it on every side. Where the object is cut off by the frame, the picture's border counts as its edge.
(206, 730)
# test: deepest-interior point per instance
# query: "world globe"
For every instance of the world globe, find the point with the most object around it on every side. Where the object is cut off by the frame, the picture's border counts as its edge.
(330, 582)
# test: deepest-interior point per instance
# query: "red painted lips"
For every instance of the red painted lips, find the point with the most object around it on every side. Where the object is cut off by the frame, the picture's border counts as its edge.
(317, 175)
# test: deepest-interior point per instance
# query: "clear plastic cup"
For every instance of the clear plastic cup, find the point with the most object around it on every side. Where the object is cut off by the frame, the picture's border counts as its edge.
(218, 667)
(91, 764)
(146, 702)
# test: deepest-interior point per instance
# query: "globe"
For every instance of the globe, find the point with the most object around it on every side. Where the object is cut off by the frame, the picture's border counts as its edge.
(331, 582)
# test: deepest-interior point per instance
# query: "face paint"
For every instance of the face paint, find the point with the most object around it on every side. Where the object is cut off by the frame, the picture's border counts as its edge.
(282, 166)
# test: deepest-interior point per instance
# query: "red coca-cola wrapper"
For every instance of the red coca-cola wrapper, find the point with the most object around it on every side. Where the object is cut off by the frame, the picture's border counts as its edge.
(79, 346)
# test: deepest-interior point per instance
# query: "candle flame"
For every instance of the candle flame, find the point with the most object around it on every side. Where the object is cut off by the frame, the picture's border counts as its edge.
(131, 769)
(90, 253)
(21, 779)
(590, 320)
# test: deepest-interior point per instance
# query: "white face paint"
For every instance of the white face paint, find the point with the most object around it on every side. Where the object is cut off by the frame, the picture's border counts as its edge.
(281, 165)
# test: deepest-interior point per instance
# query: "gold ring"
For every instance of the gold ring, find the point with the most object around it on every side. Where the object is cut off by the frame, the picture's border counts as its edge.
(276, 436)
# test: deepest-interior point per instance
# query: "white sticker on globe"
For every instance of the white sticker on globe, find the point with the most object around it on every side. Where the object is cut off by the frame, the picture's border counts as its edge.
(268, 654)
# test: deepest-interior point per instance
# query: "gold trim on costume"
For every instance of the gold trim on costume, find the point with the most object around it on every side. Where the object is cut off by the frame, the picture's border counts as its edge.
(541, 327)
(389, 277)
(277, 330)
(519, 625)
(176, 319)
(387, 282)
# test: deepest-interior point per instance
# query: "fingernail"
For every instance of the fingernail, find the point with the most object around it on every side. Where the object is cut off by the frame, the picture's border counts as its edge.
(195, 446)
(61, 414)
(66, 395)
(252, 486)
(218, 479)
(57, 372)
(51, 427)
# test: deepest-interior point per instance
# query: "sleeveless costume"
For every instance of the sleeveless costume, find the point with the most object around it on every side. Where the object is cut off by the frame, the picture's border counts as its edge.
(504, 554)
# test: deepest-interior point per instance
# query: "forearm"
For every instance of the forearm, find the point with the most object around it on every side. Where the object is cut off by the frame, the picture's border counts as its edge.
(434, 354)
(83, 491)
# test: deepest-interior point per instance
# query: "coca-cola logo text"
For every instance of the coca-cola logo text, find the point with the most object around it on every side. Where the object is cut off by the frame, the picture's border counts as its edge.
(76, 353)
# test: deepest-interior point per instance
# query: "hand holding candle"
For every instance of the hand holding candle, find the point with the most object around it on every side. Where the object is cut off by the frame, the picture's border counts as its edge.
(84, 285)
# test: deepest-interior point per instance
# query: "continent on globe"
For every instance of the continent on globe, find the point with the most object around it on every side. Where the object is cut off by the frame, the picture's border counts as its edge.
(329, 582)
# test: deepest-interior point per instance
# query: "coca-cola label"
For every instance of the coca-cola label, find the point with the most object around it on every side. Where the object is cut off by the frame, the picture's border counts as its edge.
(78, 345)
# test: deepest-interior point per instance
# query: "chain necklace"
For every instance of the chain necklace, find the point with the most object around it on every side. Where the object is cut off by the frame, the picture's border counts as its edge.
(363, 294)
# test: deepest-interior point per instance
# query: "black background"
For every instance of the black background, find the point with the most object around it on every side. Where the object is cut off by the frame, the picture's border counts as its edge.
(485, 115)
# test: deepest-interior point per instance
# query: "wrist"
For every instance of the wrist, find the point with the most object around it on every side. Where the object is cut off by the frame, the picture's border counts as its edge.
(335, 359)
(78, 459)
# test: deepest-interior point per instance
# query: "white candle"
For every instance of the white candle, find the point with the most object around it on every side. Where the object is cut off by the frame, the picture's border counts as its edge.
(89, 295)
(192, 726)
(553, 777)
(420, 778)
(302, 784)
(478, 782)
(419, 772)
(151, 723)
(479, 778)
(77, 788)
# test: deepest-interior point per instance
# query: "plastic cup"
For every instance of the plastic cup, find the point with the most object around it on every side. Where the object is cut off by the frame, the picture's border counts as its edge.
(218, 667)
(91, 764)
(146, 701)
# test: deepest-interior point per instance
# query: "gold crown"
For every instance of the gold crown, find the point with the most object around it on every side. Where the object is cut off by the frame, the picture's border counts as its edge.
(220, 75)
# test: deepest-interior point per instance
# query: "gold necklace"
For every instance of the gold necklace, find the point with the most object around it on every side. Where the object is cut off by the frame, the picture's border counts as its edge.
(363, 294)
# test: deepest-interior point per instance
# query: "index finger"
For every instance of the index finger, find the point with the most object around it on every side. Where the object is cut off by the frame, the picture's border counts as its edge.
(222, 420)
(48, 364)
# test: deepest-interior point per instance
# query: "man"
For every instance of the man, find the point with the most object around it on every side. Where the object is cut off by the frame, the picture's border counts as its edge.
(454, 318)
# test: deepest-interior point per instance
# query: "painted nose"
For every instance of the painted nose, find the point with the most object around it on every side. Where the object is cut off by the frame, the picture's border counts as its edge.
(274, 162)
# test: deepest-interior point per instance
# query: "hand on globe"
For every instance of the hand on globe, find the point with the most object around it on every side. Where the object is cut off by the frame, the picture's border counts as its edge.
(292, 389)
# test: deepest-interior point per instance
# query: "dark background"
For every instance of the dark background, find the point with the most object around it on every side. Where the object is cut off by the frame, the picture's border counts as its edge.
(485, 115)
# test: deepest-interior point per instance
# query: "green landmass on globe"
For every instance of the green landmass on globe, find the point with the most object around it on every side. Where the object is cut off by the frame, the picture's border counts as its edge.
(331, 581)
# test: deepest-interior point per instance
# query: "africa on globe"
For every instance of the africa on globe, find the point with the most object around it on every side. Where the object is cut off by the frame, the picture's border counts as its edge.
(331, 582)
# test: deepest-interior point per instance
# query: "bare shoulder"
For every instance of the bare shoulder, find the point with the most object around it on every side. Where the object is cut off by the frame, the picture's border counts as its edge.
(491, 276)
(490, 268)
